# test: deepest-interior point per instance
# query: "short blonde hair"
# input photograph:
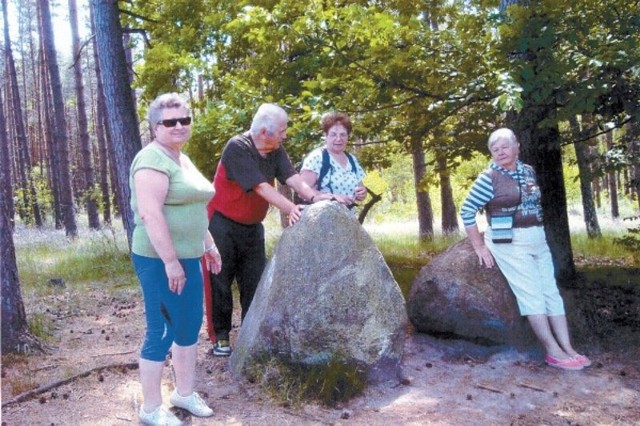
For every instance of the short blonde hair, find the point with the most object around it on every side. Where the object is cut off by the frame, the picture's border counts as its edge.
(502, 134)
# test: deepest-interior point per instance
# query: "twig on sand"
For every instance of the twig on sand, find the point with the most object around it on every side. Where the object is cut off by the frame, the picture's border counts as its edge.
(535, 388)
(46, 367)
(489, 388)
(113, 353)
(24, 396)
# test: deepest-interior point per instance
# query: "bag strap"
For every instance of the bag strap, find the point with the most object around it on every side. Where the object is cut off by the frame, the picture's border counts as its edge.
(324, 169)
(326, 166)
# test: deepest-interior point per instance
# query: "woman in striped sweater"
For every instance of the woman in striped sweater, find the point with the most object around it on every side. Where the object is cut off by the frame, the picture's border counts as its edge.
(508, 192)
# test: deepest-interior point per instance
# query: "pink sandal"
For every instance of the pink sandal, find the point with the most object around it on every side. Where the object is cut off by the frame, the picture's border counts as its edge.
(586, 362)
(564, 364)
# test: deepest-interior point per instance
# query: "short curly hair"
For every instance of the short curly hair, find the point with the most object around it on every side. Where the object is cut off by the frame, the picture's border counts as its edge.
(330, 119)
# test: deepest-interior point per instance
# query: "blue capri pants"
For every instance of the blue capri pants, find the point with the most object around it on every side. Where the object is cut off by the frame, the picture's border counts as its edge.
(171, 318)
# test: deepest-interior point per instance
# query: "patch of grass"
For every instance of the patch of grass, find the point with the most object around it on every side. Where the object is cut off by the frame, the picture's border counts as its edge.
(604, 248)
(98, 256)
(409, 250)
(406, 255)
(41, 326)
(293, 383)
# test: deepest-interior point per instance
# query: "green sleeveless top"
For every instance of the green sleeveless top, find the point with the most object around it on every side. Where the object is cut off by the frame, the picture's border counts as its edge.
(184, 208)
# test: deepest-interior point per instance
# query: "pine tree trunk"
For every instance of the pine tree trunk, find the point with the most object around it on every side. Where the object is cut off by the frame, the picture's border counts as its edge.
(15, 330)
(121, 112)
(423, 201)
(59, 130)
(449, 212)
(6, 192)
(101, 130)
(584, 174)
(83, 132)
(613, 184)
(128, 54)
(51, 159)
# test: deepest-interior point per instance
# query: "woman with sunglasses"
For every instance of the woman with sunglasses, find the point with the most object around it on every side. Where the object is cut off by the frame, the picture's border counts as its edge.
(169, 197)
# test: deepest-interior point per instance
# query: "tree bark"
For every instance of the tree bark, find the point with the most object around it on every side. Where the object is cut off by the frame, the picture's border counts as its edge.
(586, 176)
(101, 130)
(83, 127)
(121, 112)
(59, 131)
(613, 184)
(6, 191)
(15, 330)
(423, 201)
(449, 212)
(51, 159)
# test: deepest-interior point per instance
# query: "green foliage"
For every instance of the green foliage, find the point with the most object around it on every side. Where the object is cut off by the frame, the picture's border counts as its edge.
(293, 383)
(580, 57)
(24, 200)
(438, 76)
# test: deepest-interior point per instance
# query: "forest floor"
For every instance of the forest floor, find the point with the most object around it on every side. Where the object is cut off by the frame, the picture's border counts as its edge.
(89, 375)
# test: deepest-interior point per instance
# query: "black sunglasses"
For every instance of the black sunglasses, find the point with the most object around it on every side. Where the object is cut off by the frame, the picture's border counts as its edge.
(171, 122)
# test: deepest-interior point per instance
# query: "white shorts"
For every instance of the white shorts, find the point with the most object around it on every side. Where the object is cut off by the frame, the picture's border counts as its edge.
(527, 265)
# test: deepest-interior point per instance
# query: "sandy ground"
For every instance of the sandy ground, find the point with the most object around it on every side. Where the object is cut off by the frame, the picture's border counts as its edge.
(446, 382)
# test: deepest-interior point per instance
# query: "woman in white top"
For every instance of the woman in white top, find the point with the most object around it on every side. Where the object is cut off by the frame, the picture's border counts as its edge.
(341, 174)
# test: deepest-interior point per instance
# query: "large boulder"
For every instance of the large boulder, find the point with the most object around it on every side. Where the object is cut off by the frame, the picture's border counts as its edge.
(454, 295)
(326, 296)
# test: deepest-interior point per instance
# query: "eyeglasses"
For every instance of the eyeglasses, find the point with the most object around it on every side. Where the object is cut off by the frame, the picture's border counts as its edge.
(171, 122)
(338, 135)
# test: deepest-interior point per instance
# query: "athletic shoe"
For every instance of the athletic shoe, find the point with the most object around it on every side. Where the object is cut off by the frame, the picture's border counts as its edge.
(159, 417)
(192, 403)
(586, 362)
(564, 364)
(221, 348)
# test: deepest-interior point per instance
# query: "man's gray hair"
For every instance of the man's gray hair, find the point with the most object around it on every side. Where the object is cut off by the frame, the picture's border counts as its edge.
(162, 102)
(268, 117)
(502, 134)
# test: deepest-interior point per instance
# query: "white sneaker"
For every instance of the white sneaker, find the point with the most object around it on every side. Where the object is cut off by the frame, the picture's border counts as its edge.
(159, 417)
(192, 403)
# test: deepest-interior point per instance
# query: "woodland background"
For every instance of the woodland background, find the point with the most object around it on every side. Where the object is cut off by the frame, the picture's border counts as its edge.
(425, 82)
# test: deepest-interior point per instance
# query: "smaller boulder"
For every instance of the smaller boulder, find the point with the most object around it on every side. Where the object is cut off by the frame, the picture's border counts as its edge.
(454, 295)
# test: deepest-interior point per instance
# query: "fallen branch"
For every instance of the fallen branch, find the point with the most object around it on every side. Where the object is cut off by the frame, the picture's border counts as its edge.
(489, 388)
(535, 388)
(46, 367)
(24, 396)
(113, 353)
